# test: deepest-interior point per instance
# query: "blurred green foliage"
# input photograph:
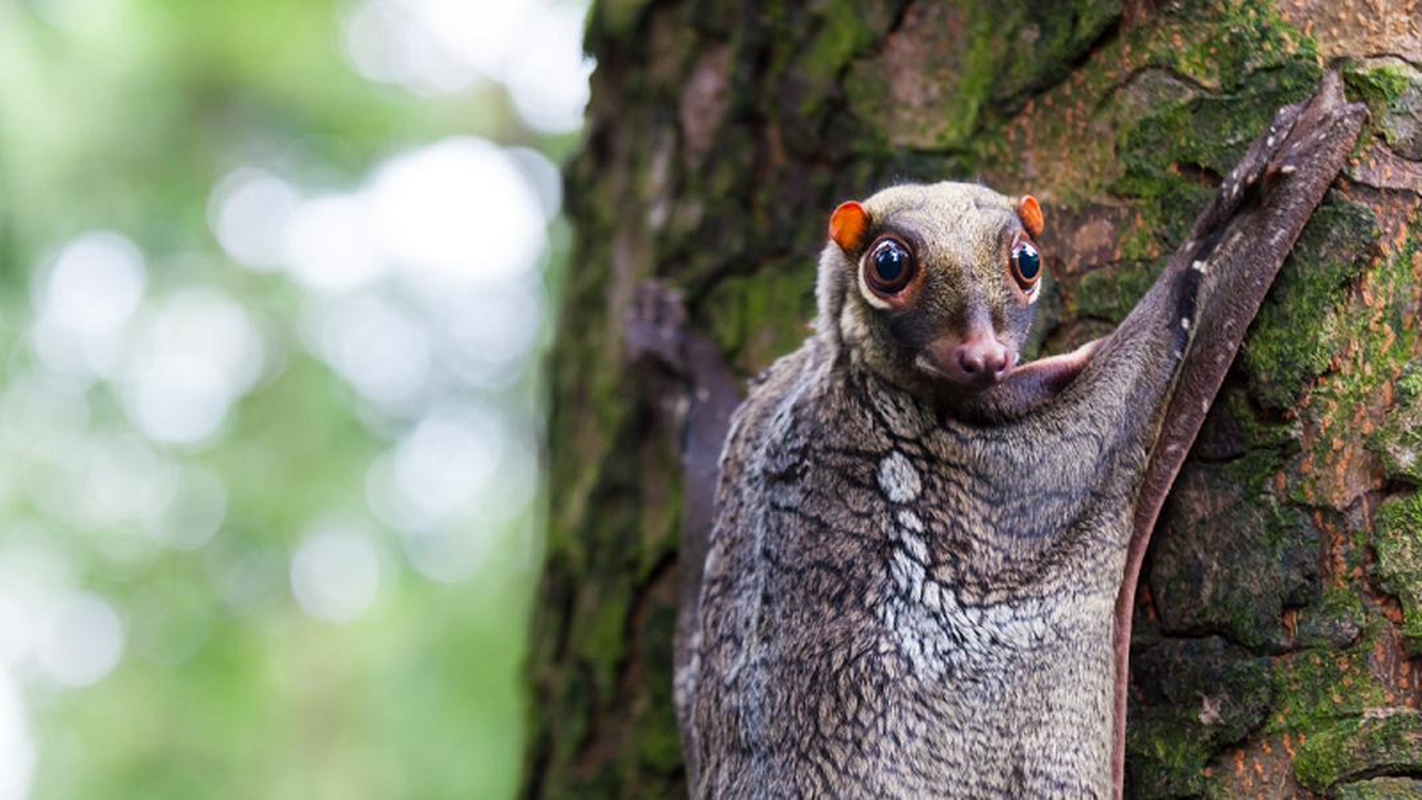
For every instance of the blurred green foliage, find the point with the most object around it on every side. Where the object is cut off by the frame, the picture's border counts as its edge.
(122, 115)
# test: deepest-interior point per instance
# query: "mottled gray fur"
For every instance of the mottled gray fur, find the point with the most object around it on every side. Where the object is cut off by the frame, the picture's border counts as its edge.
(910, 590)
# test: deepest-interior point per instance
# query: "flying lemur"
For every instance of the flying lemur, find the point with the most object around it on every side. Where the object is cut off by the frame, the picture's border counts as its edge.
(914, 574)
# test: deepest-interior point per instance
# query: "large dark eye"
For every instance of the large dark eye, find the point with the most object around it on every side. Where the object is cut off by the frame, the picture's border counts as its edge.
(890, 267)
(1026, 264)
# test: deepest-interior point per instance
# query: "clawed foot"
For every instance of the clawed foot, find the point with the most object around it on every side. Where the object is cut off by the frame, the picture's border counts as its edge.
(656, 328)
(1294, 143)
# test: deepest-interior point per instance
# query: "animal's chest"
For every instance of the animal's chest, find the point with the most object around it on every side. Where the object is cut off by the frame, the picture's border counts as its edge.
(924, 568)
(921, 637)
(942, 519)
(900, 602)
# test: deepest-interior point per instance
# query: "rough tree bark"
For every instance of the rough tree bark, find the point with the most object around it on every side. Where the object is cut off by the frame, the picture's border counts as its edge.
(1281, 608)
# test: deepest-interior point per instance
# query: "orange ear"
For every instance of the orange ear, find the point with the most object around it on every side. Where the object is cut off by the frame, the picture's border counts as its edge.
(1031, 215)
(847, 225)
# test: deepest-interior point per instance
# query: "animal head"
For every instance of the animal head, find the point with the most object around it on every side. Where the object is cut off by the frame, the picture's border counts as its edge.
(933, 286)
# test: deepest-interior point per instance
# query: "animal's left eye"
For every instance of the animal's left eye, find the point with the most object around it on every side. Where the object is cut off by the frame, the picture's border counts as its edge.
(1026, 264)
(891, 266)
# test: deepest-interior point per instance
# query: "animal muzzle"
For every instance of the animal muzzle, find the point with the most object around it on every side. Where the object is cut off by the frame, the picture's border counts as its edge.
(975, 361)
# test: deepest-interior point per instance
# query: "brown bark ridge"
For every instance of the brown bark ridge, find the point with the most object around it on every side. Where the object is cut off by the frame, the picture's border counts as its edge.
(1280, 606)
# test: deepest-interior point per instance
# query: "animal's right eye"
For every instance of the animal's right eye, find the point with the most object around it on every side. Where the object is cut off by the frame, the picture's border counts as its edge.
(1026, 264)
(891, 267)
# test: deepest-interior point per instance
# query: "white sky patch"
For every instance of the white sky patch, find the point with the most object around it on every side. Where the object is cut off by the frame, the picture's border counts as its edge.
(484, 34)
(335, 573)
(387, 44)
(507, 495)
(82, 302)
(176, 399)
(549, 84)
(459, 210)
(447, 550)
(543, 175)
(428, 275)
(125, 483)
(440, 466)
(381, 348)
(457, 480)
(249, 213)
(494, 330)
(194, 356)
(34, 576)
(17, 748)
(81, 641)
(329, 245)
(533, 47)
(448, 555)
(14, 630)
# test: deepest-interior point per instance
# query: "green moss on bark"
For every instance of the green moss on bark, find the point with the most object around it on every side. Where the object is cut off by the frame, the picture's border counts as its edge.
(1316, 687)
(1298, 330)
(754, 319)
(1398, 442)
(1228, 557)
(1333, 621)
(948, 66)
(1381, 789)
(1397, 539)
(1390, 740)
(1393, 92)
(1193, 697)
(1110, 293)
(1374, 336)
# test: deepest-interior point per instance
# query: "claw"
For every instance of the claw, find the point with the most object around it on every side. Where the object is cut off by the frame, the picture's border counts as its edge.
(656, 327)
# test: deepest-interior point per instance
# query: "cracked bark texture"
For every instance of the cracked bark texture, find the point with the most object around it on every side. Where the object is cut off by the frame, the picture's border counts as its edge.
(1279, 617)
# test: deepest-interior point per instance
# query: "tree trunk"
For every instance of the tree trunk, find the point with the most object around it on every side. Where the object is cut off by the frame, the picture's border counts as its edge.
(1282, 599)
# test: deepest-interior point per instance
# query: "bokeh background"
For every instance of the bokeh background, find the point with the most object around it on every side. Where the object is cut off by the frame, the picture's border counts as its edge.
(276, 280)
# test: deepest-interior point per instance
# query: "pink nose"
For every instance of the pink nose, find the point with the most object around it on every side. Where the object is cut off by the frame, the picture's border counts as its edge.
(976, 361)
(983, 359)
